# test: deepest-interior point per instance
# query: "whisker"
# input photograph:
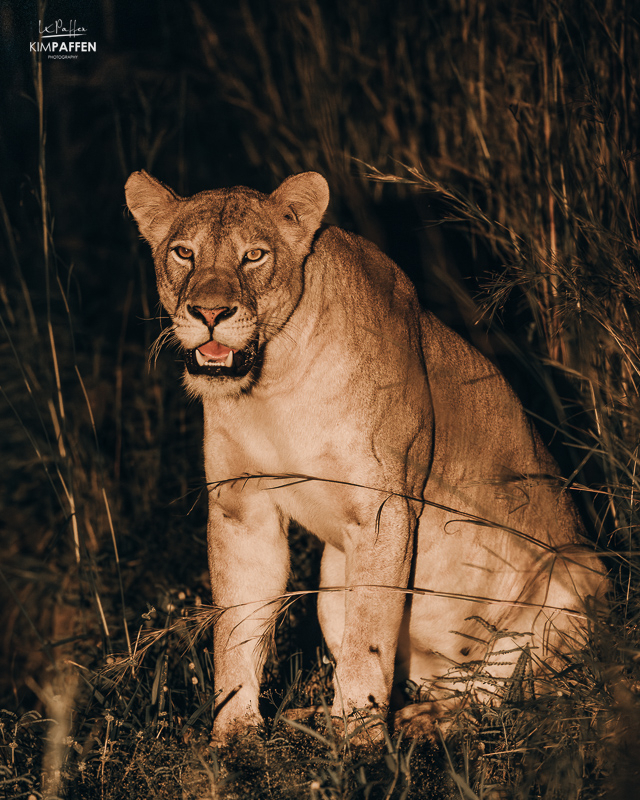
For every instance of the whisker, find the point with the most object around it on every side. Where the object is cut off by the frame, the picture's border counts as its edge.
(166, 336)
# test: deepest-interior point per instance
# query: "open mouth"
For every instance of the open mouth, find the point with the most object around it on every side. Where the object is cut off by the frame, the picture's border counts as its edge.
(219, 361)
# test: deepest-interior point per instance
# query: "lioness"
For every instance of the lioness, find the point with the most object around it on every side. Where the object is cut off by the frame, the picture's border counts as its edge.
(313, 358)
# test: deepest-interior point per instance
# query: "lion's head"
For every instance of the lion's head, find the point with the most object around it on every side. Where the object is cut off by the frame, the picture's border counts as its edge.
(230, 268)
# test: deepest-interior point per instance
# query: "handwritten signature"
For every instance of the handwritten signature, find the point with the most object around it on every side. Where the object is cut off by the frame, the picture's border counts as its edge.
(58, 28)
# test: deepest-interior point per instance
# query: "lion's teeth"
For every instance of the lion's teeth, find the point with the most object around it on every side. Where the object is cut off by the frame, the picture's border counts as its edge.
(202, 360)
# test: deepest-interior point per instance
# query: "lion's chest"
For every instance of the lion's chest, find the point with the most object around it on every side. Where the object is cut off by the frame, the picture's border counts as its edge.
(304, 461)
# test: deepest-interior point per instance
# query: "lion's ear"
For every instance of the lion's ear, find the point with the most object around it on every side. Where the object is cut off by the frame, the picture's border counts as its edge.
(152, 204)
(301, 201)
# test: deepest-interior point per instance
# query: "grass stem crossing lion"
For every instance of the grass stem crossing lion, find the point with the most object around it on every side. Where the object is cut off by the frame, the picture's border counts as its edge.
(312, 357)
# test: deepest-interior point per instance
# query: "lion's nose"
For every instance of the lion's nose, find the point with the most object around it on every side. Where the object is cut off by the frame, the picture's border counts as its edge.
(211, 316)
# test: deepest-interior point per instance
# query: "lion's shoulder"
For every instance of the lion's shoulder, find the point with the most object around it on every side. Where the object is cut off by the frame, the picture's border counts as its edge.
(356, 265)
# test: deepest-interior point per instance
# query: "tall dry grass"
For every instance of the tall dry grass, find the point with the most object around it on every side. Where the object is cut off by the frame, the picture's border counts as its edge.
(511, 130)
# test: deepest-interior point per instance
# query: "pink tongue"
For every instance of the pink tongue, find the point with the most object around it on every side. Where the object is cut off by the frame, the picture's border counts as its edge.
(215, 350)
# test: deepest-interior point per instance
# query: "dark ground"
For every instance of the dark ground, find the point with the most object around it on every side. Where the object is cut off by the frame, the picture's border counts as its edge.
(518, 107)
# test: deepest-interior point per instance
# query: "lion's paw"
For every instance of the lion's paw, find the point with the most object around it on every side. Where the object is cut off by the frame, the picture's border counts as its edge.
(244, 732)
(419, 721)
(363, 728)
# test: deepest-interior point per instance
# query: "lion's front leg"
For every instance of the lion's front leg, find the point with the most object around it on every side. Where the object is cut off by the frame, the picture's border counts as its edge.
(249, 561)
(377, 567)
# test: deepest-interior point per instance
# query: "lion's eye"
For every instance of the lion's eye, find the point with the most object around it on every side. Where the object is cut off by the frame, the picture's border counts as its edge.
(254, 255)
(183, 252)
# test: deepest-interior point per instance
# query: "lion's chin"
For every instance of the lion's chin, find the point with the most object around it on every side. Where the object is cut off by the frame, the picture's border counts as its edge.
(235, 364)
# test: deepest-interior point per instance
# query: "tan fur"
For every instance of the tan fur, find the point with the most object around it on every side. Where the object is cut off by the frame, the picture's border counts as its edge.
(429, 474)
